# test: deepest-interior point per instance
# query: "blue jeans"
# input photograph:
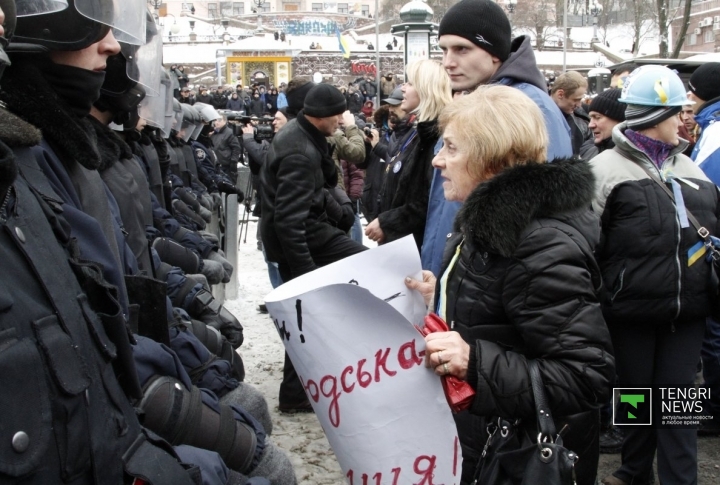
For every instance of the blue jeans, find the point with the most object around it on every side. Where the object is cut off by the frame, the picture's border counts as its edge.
(710, 353)
(273, 272)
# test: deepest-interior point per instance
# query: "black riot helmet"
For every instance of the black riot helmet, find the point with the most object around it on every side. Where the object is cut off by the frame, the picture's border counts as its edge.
(8, 8)
(70, 25)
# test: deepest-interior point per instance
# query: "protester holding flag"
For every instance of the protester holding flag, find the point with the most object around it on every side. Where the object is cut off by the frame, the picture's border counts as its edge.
(519, 280)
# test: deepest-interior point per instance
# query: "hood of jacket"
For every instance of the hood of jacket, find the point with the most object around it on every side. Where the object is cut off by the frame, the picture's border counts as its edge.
(521, 65)
(629, 150)
(498, 210)
(710, 112)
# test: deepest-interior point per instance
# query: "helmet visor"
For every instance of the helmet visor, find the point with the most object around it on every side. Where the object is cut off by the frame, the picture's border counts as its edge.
(126, 17)
(25, 8)
(152, 109)
(207, 112)
(143, 62)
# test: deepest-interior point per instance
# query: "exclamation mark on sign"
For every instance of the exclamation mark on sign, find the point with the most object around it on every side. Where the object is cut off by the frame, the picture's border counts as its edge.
(298, 308)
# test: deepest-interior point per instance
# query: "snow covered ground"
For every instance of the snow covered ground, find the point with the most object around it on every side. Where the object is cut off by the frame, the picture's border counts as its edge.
(300, 435)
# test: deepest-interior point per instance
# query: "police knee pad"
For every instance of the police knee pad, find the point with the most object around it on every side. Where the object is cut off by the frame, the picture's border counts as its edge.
(179, 416)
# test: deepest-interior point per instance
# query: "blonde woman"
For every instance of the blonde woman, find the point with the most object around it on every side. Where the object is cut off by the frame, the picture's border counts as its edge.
(403, 198)
(519, 280)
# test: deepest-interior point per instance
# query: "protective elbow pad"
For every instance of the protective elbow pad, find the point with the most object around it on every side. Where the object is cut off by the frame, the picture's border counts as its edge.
(179, 416)
(176, 254)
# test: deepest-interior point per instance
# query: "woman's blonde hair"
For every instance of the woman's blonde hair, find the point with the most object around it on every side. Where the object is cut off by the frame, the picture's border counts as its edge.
(500, 126)
(432, 85)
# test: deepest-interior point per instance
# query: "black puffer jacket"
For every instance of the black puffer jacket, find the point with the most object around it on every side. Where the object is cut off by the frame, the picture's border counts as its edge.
(644, 251)
(406, 188)
(294, 222)
(526, 286)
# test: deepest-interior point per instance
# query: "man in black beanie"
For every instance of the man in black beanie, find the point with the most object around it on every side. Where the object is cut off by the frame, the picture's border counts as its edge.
(605, 112)
(705, 91)
(476, 40)
(297, 224)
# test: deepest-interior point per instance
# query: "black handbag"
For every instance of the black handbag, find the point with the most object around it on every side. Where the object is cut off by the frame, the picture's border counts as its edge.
(711, 243)
(512, 457)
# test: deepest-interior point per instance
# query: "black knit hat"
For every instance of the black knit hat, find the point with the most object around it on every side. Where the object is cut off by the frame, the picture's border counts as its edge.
(296, 98)
(705, 81)
(606, 103)
(323, 101)
(483, 23)
(643, 117)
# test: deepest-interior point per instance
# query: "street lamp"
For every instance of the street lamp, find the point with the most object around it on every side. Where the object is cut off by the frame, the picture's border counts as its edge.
(174, 28)
(258, 5)
(416, 29)
(510, 7)
(595, 11)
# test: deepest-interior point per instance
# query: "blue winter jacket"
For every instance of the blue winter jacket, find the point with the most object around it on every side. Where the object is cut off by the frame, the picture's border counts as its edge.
(707, 149)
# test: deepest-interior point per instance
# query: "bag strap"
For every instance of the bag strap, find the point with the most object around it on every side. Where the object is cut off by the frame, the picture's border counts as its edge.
(542, 408)
(701, 230)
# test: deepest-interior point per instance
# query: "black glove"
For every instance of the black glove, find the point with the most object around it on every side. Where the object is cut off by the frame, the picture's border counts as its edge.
(227, 188)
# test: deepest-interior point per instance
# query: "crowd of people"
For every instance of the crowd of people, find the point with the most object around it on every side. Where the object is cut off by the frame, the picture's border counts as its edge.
(557, 235)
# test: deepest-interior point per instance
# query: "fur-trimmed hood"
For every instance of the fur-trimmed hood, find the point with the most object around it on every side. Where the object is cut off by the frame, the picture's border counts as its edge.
(495, 214)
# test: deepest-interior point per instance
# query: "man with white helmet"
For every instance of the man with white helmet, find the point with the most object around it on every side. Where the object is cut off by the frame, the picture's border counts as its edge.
(654, 272)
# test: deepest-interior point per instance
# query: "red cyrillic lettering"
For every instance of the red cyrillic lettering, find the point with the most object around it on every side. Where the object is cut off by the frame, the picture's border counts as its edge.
(347, 370)
(426, 473)
(315, 396)
(407, 362)
(364, 377)
(334, 407)
(396, 475)
(381, 361)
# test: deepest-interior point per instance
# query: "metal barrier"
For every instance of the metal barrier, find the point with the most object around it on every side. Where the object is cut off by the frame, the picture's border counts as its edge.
(227, 225)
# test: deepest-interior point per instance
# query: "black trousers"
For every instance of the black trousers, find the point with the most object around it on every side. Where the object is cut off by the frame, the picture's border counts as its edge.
(650, 355)
(291, 389)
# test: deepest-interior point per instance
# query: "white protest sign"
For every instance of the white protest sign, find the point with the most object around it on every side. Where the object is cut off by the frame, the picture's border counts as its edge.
(362, 364)
(381, 270)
